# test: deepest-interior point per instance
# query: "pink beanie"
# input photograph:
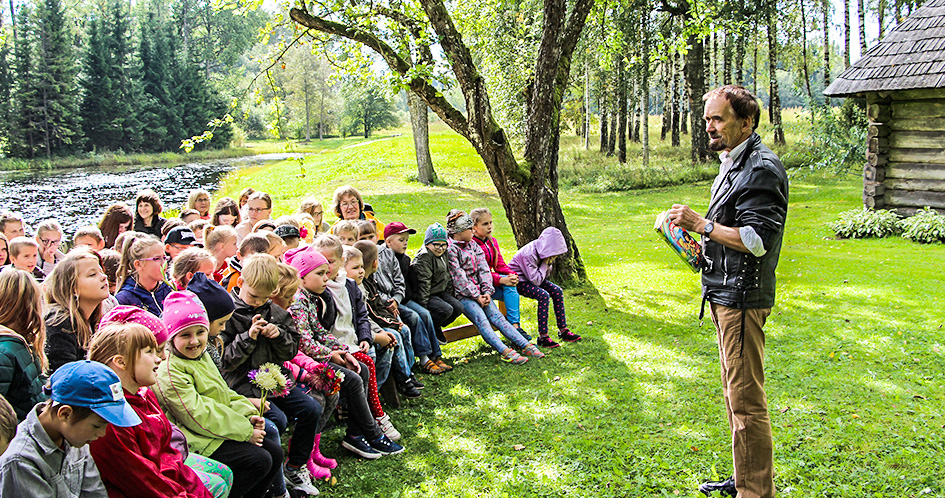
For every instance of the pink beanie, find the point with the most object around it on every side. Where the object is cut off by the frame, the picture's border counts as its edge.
(304, 259)
(183, 309)
(132, 314)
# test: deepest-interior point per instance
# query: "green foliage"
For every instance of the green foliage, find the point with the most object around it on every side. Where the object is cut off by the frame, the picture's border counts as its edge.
(368, 107)
(926, 226)
(861, 223)
(836, 138)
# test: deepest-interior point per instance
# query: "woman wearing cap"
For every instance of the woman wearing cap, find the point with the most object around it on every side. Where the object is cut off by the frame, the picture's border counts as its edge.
(348, 204)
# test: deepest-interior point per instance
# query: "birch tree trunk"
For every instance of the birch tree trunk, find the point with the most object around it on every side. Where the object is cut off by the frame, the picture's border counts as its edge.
(774, 107)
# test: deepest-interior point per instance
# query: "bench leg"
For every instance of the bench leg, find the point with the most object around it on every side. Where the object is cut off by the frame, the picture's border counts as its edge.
(389, 392)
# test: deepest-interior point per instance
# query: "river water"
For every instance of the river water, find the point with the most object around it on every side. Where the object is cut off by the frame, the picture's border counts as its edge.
(78, 197)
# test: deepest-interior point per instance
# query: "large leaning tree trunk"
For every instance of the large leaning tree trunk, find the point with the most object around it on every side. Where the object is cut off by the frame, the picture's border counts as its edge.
(421, 138)
(528, 187)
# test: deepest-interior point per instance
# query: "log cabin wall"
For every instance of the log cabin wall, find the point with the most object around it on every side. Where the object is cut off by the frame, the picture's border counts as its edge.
(905, 167)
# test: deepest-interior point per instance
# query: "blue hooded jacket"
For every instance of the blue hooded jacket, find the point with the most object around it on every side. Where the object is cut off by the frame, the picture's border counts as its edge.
(134, 295)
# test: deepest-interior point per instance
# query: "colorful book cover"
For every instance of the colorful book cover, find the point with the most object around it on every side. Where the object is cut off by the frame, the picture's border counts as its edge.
(683, 244)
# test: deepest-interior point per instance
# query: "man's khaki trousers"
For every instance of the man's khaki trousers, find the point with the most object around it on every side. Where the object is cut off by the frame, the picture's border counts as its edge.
(741, 354)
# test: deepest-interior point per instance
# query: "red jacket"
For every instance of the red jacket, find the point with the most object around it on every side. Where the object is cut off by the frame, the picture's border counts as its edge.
(494, 259)
(139, 461)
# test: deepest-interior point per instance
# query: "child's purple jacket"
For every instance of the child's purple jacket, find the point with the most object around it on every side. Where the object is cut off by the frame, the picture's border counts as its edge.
(527, 262)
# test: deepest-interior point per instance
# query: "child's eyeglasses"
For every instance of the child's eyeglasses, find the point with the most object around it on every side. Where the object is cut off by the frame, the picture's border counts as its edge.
(157, 258)
(47, 242)
(439, 245)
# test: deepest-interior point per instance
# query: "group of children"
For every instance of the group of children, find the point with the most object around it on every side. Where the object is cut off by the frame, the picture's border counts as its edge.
(152, 331)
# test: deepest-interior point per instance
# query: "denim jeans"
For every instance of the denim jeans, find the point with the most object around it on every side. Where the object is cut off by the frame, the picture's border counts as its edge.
(306, 412)
(393, 359)
(424, 335)
(509, 295)
(410, 319)
(481, 317)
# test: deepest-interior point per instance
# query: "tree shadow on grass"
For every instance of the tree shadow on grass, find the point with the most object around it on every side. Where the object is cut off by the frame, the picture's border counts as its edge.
(636, 408)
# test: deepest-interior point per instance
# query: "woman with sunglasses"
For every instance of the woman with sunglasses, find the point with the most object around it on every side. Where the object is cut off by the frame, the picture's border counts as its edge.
(141, 274)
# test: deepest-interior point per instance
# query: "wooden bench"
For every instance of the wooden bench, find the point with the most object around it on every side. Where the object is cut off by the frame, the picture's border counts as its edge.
(389, 391)
(468, 330)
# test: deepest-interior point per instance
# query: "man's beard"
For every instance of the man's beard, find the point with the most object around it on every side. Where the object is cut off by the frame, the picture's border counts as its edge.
(717, 145)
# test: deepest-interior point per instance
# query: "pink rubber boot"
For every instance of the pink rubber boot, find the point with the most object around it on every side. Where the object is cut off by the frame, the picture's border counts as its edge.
(318, 472)
(319, 459)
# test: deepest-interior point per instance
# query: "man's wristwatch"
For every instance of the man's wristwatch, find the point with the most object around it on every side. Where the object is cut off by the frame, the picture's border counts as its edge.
(707, 230)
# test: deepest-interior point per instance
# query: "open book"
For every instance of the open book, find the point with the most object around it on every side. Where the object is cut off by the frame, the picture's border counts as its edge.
(683, 244)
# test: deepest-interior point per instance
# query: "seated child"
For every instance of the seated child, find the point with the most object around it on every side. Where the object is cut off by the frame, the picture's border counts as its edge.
(363, 437)
(533, 265)
(473, 284)
(22, 339)
(141, 274)
(367, 230)
(303, 368)
(49, 238)
(178, 240)
(89, 236)
(75, 293)
(219, 306)
(347, 231)
(143, 451)
(290, 235)
(254, 243)
(4, 251)
(503, 278)
(189, 263)
(345, 315)
(388, 330)
(24, 254)
(262, 332)
(316, 212)
(391, 280)
(218, 422)
(11, 225)
(7, 424)
(48, 456)
(189, 215)
(215, 476)
(432, 285)
(221, 242)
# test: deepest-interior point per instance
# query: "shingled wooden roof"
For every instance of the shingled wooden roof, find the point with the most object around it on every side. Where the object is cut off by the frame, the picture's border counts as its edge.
(911, 56)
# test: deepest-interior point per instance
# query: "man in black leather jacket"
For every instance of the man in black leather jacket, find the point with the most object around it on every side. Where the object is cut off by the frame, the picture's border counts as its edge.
(741, 233)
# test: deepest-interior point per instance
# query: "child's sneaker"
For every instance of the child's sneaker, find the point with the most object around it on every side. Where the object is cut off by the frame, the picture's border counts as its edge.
(416, 383)
(359, 446)
(532, 350)
(385, 446)
(408, 390)
(523, 333)
(299, 480)
(512, 357)
(547, 342)
(387, 427)
(568, 336)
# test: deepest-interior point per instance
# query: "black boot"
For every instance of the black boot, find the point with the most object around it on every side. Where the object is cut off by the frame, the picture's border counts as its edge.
(725, 488)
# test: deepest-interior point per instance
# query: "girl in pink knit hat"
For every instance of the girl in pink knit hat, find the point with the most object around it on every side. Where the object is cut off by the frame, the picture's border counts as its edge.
(217, 421)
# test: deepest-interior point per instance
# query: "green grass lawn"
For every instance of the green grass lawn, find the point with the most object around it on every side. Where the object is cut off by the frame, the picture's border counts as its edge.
(854, 362)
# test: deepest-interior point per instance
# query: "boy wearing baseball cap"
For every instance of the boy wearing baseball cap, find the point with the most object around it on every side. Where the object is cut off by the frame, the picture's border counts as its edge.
(49, 456)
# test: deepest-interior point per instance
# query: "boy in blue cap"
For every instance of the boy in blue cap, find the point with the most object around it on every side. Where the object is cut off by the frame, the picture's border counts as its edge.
(49, 456)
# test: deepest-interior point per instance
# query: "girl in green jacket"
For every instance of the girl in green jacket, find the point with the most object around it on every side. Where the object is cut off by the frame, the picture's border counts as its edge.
(218, 422)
